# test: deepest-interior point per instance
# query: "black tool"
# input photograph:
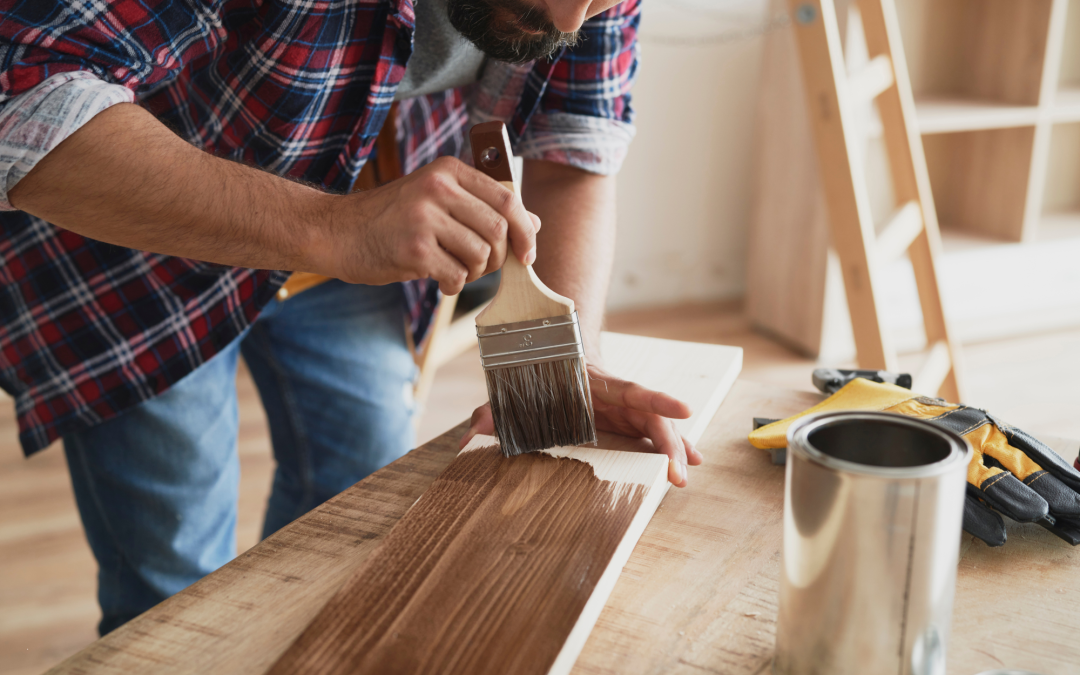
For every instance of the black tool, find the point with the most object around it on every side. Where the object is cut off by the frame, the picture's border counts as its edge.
(831, 380)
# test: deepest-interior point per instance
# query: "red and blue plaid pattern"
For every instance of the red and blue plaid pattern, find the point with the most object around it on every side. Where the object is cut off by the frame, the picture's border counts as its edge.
(298, 87)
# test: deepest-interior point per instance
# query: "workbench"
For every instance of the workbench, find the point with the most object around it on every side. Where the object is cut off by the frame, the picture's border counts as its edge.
(697, 596)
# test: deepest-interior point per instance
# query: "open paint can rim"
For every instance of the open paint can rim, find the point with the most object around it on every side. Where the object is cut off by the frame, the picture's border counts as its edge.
(952, 448)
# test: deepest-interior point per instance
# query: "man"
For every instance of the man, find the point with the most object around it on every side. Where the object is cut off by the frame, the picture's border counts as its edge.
(159, 156)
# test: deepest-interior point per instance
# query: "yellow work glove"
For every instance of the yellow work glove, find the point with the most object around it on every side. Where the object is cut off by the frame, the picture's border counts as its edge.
(1010, 471)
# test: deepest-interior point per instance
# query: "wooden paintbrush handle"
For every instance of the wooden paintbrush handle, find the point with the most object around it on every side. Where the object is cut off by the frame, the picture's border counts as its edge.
(521, 296)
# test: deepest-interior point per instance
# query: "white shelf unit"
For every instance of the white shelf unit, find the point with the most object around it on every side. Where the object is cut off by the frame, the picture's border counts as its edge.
(997, 89)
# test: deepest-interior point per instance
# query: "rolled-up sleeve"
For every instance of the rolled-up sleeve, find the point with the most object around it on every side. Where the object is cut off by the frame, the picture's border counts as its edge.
(36, 121)
(585, 118)
(61, 63)
(594, 144)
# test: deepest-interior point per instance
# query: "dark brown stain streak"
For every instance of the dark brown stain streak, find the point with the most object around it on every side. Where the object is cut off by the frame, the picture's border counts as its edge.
(487, 573)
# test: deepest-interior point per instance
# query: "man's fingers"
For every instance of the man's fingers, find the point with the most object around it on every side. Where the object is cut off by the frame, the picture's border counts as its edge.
(677, 475)
(693, 456)
(487, 223)
(445, 269)
(668, 442)
(651, 413)
(471, 250)
(659, 430)
(481, 423)
(614, 391)
(521, 230)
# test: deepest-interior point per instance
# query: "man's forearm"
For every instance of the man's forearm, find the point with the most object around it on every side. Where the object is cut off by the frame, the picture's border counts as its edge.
(575, 247)
(125, 179)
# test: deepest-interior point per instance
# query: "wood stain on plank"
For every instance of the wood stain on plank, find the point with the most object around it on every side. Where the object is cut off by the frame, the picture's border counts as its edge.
(487, 573)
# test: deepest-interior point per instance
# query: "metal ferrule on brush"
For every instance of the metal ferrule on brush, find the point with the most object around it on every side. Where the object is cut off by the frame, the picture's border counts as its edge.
(537, 384)
(527, 342)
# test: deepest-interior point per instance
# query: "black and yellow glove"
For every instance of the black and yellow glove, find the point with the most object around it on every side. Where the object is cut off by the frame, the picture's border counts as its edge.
(1010, 471)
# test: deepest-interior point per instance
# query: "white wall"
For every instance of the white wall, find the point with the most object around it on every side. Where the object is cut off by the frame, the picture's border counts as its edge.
(685, 190)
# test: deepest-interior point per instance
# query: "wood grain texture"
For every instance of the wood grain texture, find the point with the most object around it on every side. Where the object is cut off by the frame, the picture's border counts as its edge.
(240, 619)
(911, 185)
(698, 594)
(980, 179)
(487, 573)
(1006, 49)
(843, 178)
(47, 574)
(505, 563)
(990, 65)
(991, 50)
(789, 233)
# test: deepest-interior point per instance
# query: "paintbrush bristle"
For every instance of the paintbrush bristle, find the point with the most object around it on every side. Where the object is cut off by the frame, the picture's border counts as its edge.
(541, 405)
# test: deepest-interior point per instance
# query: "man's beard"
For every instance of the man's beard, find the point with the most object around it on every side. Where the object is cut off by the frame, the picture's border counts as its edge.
(492, 30)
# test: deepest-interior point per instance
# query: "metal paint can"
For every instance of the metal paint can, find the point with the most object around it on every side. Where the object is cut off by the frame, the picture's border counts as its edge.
(873, 510)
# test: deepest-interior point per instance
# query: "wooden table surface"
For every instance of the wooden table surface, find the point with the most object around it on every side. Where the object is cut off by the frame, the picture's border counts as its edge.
(697, 596)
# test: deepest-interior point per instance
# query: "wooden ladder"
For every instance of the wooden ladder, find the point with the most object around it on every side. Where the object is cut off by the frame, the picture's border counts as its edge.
(832, 97)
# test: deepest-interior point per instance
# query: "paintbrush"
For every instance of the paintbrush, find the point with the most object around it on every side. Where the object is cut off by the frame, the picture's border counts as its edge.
(530, 342)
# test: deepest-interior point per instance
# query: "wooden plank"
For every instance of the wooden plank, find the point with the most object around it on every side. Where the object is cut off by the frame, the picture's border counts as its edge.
(842, 175)
(911, 181)
(699, 374)
(987, 50)
(980, 179)
(1008, 54)
(1070, 53)
(491, 570)
(505, 563)
(789, 232)
(240, 619)
(698, 594)
(1005, 49)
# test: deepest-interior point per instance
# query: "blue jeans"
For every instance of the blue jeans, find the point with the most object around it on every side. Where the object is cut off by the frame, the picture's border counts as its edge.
(157, 486)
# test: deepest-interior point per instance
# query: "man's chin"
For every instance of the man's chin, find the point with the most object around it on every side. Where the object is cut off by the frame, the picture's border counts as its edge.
(497, 33)
(520, 51)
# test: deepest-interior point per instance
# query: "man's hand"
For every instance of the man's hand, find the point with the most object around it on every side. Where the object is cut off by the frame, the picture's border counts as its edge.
(627, 409)
(446, 221)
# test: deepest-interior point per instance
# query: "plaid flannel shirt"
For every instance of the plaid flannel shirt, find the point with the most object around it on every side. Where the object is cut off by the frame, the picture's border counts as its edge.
(300, 88)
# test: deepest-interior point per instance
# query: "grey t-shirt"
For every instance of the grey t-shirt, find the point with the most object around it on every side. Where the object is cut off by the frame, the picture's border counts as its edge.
(441, 59)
